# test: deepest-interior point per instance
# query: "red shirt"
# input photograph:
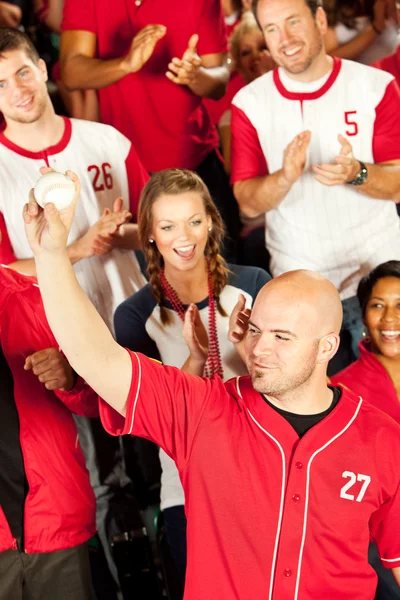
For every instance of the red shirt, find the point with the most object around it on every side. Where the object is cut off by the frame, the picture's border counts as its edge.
(167, 122)
(391, 64)
(60, 505)
(216, 108)
(270, 516)
(369, 378)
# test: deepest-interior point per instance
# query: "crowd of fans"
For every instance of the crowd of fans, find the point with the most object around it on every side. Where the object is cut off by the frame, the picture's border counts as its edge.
(218, 146)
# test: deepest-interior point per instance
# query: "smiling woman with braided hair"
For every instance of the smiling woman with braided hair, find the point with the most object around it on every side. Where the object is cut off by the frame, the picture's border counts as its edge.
(181, 232)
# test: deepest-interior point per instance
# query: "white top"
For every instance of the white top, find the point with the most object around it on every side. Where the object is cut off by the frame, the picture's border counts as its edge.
(336, 231)
(97, 153)
(383, 45)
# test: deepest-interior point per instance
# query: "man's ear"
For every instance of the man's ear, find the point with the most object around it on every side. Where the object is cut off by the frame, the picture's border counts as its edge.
(43, 69)
(328, 346)
(321, 20)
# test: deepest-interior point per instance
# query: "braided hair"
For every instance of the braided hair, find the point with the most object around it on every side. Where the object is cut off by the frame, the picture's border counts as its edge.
(175, 182)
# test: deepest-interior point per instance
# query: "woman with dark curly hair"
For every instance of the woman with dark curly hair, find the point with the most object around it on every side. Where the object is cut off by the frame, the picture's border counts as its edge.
(181, 233)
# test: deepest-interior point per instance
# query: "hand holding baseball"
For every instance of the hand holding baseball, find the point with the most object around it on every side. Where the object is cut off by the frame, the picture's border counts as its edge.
(295, 157)
(47, 229)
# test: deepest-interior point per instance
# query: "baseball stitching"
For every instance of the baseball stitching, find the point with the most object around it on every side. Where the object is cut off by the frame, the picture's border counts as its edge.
(54, 186)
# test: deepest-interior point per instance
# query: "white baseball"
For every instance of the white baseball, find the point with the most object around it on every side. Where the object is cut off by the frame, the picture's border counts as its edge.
(54, 187)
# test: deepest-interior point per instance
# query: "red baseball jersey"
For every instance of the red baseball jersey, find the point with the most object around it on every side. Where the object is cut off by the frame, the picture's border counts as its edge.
(167, 122)
(271, 515)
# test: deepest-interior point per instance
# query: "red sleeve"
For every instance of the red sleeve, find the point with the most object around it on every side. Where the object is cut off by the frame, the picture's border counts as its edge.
(79, 15)
(212, 32)
(247, 157)
(386, 140)
(385, 526)
(387, 64)
(137, 179)
(164, 405)
(6, 252)
(81, 400)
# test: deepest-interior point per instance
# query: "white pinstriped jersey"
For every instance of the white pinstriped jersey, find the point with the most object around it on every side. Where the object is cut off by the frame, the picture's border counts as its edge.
(101, 156)
(336, 231)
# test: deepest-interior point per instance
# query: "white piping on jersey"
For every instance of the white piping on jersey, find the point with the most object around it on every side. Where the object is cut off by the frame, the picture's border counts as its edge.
(390, 560)
(238, 387)
(20, 273)
(137, 392)
(278, 531)
(308, 490)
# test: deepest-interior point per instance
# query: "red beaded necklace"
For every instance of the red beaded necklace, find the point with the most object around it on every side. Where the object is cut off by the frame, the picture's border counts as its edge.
(214, 363)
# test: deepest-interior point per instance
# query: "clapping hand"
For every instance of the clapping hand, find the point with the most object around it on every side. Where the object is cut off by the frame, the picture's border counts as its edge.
(239, 321)
(344, 168)
(102, 236)
(195, 335)
(183, 71)
(295, 157)
(142, 46)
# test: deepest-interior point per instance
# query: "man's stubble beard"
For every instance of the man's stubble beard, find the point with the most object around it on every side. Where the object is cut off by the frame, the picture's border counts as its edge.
(284, 384)
(39, 111)
(315, 50)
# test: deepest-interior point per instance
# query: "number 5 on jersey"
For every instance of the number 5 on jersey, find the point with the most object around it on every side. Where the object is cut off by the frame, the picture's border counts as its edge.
(366, 479)
(351, 123)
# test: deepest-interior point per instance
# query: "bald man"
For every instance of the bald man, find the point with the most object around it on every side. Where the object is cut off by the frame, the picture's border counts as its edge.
(285, 478)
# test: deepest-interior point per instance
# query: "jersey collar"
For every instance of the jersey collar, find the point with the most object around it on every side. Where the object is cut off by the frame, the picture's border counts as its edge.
(275, 425)
(56, 149)
(301, 96)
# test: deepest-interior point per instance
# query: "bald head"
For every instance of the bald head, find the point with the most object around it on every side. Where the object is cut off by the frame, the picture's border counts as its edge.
(313, 297)
(293, 333)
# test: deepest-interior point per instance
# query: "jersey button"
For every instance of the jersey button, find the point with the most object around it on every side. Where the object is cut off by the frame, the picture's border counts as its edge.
(296, 498)
(299, 465)
(287, 572)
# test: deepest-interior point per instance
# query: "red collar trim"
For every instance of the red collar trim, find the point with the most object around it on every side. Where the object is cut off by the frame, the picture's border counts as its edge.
(59, 147)
(337, 63)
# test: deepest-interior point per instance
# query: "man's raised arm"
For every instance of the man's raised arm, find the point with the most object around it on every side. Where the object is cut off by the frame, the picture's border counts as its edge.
(159, 403)
(81, 333)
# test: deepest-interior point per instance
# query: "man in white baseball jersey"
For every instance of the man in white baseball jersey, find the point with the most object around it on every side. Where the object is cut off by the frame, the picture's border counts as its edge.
(316, 146)
(109, 168)
(285, 478)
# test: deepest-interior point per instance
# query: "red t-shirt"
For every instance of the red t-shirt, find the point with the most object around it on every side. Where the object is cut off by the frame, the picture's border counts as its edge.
(391, 64)
(216, 108)
(270, 515)
(369, 378)
(167, 122)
